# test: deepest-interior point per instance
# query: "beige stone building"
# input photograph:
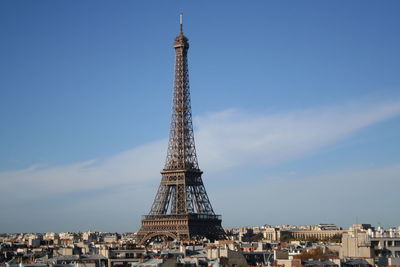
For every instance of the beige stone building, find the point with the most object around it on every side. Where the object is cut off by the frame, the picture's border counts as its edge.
(315, 234)
(271, 234)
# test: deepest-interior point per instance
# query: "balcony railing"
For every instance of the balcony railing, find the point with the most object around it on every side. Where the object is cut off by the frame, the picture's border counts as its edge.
(191, 216)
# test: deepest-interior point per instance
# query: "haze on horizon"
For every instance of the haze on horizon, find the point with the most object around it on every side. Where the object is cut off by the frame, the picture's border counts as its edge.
(296, 109)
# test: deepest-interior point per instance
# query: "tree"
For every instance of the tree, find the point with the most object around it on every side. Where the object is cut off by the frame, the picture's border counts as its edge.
(253, 238)
(316, 254)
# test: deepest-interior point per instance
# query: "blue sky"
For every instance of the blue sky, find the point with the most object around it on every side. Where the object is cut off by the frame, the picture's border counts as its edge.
(296, 107)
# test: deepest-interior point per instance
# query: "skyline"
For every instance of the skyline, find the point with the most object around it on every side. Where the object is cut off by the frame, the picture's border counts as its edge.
(286, 105)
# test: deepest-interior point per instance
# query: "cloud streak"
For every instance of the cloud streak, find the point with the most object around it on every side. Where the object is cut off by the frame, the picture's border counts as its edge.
(225, 140)
(235, 138)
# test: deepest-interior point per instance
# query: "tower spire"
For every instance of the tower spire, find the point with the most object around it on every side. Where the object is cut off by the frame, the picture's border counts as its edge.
(181, 147)
(181, 22)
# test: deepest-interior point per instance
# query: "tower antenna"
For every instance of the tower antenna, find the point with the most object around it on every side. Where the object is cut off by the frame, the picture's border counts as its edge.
(181, 21)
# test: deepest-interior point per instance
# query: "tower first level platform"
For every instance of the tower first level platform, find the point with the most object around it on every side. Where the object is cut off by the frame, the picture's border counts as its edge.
(181, 227)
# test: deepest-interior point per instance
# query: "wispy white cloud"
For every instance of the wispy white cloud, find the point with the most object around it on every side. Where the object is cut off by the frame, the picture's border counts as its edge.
(233, 137)
(225, 140)
(137, 165)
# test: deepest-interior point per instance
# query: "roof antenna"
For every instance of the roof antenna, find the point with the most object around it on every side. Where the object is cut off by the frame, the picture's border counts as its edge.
(180, 21)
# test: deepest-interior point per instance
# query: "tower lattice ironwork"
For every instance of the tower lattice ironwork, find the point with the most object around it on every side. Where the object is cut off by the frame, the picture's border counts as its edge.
(181, 209)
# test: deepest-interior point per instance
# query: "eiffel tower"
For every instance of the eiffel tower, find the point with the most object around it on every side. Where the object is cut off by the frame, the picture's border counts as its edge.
(181, 209)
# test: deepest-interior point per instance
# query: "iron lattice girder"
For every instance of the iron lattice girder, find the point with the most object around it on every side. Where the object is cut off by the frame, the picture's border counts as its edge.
(181, 191)
(181, 147)
(181, 208)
